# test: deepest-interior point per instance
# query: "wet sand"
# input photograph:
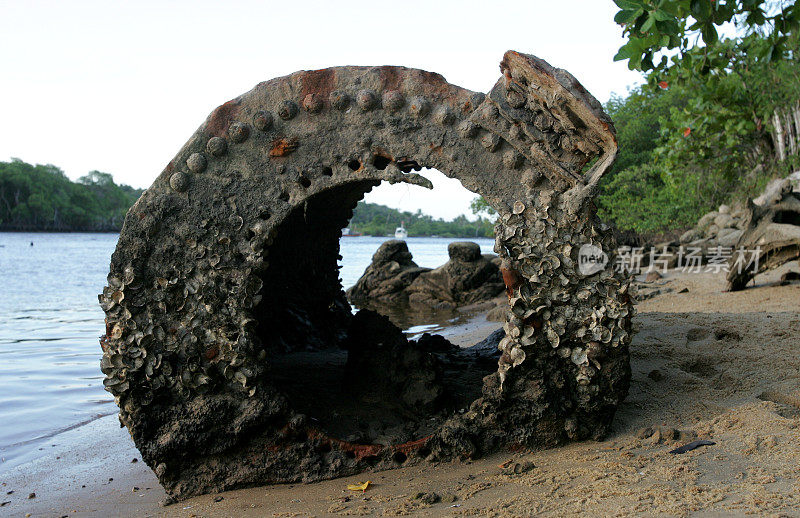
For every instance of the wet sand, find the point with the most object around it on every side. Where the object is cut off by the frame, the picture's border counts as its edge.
(706, 364)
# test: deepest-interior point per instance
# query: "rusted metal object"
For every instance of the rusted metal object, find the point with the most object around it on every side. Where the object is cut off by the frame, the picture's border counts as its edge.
(224, 292)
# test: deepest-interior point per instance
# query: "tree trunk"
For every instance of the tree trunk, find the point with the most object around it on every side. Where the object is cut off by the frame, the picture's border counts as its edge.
(791, 132)
(778, 135)
(795, 113)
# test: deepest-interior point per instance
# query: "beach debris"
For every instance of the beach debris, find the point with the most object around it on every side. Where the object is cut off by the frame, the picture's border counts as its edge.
(31, 495)
(223, 293)
(359, 487)
(219, 498)
(427, 498)
(773, 228)
(3, 504)
(653, 276)
(134, 460)
(691, 446)
(449, 498)
(517, 468)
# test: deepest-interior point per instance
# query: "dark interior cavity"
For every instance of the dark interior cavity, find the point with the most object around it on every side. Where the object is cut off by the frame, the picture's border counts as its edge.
(356, 377)
(788, 217)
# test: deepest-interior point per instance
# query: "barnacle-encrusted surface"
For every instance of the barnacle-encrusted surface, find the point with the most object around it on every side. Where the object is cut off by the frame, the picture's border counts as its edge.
(229, 259)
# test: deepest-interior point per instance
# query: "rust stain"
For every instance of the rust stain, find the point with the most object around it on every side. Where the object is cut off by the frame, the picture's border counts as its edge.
(410, 446)
(283, 147)
(512, 279)
(317, 82)
(391, 78)
(221, 118)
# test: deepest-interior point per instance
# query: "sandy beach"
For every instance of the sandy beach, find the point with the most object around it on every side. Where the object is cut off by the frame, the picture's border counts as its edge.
(706, 365)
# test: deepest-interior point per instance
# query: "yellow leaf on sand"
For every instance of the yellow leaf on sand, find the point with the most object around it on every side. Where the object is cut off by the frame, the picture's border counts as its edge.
(359, 487)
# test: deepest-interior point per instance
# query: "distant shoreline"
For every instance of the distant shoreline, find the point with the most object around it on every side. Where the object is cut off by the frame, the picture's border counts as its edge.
(54, 231)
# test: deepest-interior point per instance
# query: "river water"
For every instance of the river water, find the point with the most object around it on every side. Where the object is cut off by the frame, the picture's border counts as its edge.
(50, 323)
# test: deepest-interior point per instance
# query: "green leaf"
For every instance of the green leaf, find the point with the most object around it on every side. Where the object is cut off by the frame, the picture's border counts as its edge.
(709, 33)
(648, 24)
(626, 17)
(662, 16)
(629, 5)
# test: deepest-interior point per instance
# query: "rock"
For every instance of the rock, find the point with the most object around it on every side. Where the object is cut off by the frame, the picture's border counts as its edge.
(385, 280)
(644, 433)
(466, 278)
(724, 221)
(724, 209)
(712, 230)
(689, 235)
(466, 251)
(730, 237)
(449, 498)
(428, 498)
(706, 220)
(653, 276)
(655, 375)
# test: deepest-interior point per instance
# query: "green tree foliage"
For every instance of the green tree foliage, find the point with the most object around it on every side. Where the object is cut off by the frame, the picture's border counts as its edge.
(714, 122)
(41, 197)
(687, 31)
(480, 206)
(379, 220)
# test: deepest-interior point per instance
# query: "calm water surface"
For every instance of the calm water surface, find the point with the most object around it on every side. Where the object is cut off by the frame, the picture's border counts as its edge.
(50, 322)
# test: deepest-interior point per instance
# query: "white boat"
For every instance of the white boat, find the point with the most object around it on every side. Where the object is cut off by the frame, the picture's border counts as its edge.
(401, 232)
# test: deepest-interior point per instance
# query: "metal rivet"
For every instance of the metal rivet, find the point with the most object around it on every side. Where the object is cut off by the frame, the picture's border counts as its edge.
(196, 162)
(287, 110)
(442, 115)
(217, 146)
(393, 100)
(512, 159)
(263, 120)
(419, 106)
(491, 142)
(238, 132)
(312, 103)
(179, 181)
(366, 99)
(468, 129)
(339, 100)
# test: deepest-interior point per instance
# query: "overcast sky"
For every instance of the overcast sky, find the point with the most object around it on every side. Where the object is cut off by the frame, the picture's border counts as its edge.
(121, 86)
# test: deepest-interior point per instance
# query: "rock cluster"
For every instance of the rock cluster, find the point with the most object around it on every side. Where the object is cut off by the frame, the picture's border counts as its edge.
(387, 278)
(722, 227)
(394, 279)
(467, 278)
